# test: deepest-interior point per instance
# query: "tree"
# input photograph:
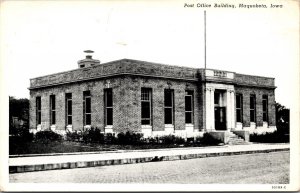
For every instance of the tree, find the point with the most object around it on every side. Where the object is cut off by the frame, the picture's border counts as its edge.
(18, 108)
(282, 118)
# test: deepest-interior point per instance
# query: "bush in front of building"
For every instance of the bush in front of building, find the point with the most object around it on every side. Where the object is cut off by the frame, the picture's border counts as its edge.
(74, 136)
(93, 135)
(130, 138)
(110, 138)
(20, 136)
(169, 140)
(47, 136)
(270, 137)
(207, 139)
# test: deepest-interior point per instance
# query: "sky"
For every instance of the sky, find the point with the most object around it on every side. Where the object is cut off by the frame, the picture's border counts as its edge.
(44, 37)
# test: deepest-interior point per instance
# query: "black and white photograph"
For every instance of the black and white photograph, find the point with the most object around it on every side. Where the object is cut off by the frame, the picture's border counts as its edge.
(181, 95)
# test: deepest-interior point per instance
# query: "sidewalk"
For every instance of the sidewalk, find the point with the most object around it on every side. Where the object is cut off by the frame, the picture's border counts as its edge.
(68, 161)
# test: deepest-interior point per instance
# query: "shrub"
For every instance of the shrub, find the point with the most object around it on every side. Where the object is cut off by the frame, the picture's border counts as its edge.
(73, 136)
(274, 137)
(207, 139)
(47, 136)
(170, 139)
(110, 138)
(21, 136)
(93, 135)
(130, 138)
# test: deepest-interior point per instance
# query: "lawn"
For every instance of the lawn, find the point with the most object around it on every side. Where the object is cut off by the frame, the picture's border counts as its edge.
(17, 148)
(93, 141)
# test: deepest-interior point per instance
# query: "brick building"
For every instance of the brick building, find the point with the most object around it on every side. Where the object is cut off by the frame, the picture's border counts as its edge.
(151, 98)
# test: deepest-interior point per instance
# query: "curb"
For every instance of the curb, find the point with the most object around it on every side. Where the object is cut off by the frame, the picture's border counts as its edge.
(84, 164)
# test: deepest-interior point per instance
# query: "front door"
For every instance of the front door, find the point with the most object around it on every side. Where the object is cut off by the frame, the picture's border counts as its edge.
(220, 118)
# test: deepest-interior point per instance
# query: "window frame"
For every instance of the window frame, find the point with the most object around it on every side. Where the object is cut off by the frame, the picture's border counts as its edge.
(265, 103)
(146, 99)
(86, 115)
(239, 110)
(190, 94)
(106, 107)
(169, 107)
(69, 114)
(38, 104)
(252, 109)
(52, 110)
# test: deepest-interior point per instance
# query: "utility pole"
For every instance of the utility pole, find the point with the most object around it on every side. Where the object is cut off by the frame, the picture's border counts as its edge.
(204, 39)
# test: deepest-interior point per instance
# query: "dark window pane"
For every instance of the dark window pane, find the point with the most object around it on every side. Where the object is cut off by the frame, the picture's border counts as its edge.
(238, 101)
(145, 122)
(265, 97)
(69, 120)
(264, 116)
(109, 99)
(87, 119)
(188, 117)
(52, 102)
(38, 110)
(88, 105)
(38, 103)
(168, 116)
(189, 92)
(264, 105)
(145, 109)
(168, 98)
(252, 102)
(216, 97)
(188, 103)
(109, 116)
(238, 115)
(39, 118)
(69, 107)
(252, 116)
(53, 118)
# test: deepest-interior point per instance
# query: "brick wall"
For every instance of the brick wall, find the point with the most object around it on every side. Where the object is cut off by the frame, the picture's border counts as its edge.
(126, 103)
(126, 78)
(258, 92)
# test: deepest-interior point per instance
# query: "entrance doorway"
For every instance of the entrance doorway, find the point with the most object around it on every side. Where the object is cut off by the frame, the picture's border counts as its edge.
(220, 118)
(220, 109)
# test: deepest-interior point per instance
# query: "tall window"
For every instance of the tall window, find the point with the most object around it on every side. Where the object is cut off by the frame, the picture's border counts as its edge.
(239, 108)
(52, 109)
(265, 108)
(169, 106)
(252, 108)
(108, 97)
(87, 108)
(69, 108)
(189, 107)
(146, 96)
(38, 110)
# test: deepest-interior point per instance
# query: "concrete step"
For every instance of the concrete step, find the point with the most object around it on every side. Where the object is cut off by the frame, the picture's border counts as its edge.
(236, 140)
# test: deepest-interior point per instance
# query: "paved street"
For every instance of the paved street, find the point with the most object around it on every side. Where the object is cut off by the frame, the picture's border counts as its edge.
(261, 168)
